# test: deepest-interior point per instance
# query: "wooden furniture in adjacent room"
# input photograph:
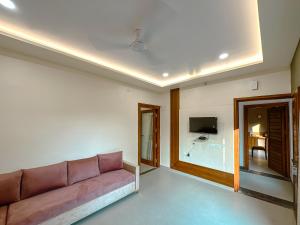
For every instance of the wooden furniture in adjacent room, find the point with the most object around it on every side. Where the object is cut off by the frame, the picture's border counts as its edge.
(253, 141)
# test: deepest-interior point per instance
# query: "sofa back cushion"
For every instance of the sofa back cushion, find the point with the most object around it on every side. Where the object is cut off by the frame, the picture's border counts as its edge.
(10, 185)
(42, 179)
(110, 162)
(82, 169)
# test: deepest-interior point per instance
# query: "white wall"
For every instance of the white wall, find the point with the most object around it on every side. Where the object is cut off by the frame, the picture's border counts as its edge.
(50, 114)
(217, 100)
(295, 70)
(165, 129)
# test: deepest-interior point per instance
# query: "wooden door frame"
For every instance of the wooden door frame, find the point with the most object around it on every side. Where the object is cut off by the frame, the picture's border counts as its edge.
(156, 137)
(236, 102)
(246, 139)
(296, 111)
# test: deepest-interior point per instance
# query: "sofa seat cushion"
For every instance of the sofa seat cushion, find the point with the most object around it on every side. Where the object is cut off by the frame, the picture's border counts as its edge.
(3, 213)
(42, 207)
(104, 184)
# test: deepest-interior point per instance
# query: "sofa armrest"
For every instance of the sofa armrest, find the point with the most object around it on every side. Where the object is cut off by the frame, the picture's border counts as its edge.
(135, 169)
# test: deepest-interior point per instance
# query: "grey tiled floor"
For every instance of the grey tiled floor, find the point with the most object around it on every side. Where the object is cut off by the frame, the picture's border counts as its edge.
(168, 198)
(259, 163)
(145, 168)
(266, 185)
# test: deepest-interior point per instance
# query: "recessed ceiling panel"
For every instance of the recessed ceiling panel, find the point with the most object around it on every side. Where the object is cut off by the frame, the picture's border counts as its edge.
(143, 38)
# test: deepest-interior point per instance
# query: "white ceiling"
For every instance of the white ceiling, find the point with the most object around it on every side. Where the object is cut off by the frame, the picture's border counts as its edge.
(183, 38)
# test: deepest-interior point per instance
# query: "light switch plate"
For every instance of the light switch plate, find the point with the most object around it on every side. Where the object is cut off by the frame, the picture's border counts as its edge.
(254, 85)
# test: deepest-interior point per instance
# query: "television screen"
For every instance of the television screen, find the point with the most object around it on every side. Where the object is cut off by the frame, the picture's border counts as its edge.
(206, 125)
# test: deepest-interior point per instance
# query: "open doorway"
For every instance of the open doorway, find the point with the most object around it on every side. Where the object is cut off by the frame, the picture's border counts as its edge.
(148, 137)
(266, 151)
(266, 139)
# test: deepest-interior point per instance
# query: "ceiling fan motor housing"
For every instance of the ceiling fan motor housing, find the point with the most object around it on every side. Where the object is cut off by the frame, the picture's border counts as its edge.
(138, 46)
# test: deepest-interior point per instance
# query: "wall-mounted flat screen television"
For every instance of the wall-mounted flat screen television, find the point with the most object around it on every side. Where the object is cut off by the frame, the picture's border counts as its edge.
(207, 125)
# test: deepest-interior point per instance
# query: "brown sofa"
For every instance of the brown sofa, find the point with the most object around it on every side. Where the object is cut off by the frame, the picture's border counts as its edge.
(66, 192)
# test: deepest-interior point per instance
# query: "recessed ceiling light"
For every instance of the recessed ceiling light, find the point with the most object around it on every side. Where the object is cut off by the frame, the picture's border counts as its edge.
(223, 55)
(165, 74)
(8, 4)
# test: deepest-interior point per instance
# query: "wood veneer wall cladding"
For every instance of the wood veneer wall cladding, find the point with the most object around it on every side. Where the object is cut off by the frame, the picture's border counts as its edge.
(295, 69)
(296, 155)
(296, 111)
(236, 130)
(200, 171)
(298, 124)
(174, 126)
(205, 173)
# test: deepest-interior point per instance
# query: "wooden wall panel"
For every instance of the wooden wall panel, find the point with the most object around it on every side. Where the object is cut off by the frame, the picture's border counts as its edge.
(174, 142)
(217, 176)
(296, 108)
(236, 134)
(296, 111)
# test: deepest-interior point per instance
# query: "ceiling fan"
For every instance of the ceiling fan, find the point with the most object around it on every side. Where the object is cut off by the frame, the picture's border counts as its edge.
(138, 44)
(151, 16)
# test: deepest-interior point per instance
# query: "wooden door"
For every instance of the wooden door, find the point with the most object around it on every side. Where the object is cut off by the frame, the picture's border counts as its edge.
(278, 139)
(149, 135)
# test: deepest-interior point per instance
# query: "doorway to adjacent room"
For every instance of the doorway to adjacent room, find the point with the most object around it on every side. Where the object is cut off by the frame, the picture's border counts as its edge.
(266, 138)
(148, 137)
(266, 148)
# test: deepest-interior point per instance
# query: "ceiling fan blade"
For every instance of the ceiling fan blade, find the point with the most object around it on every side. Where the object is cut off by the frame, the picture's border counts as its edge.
(103, 44)
(152, 58)
(153, 16)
